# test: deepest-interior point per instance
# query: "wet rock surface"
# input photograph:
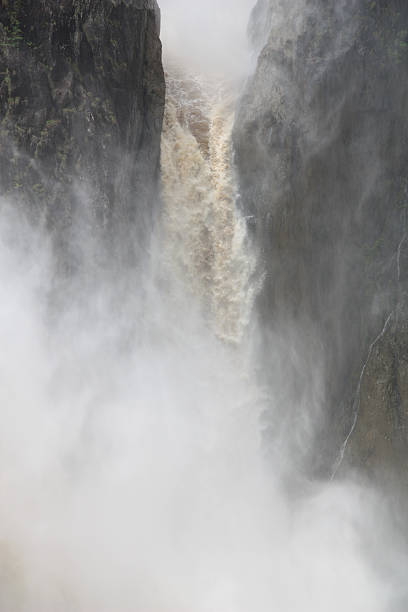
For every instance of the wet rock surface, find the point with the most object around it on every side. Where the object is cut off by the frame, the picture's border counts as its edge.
(380, 440)
(321, 147)
(81, 106)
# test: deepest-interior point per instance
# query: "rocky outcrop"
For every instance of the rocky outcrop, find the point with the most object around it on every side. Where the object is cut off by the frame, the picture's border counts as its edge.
(81, 106)
(379, 442)
(321, 147)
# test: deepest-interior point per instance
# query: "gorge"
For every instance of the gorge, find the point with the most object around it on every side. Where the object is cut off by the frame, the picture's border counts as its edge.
(203, 374)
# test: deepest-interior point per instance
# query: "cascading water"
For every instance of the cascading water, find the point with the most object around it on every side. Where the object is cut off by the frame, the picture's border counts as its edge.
(206, 233)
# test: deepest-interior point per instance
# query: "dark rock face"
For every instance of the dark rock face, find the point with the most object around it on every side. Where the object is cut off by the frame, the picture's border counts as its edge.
(380, 439)
(321, 144)
(81, 105)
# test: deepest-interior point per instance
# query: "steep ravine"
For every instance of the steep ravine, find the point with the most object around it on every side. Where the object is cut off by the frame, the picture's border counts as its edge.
(135, 381)
(320, 140)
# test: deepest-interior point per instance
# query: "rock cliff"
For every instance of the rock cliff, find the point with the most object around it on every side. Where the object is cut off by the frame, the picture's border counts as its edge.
(81, 106)
(321, 147)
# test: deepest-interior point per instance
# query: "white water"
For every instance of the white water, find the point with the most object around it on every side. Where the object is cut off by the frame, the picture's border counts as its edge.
(206, 235)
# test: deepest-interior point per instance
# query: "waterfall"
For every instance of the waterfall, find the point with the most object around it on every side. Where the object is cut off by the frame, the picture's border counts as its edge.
(207, 239)
(133, 399)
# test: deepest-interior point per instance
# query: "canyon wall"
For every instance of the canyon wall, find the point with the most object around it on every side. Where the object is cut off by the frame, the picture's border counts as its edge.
(81, 107)
(321, 148)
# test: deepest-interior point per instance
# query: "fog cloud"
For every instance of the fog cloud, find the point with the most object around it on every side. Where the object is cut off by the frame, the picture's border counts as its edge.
(210, 35)
(132, 474)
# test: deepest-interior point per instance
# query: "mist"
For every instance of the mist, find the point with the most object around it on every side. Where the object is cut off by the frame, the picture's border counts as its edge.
(135, 473)
(135, 477)
(210, 37)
